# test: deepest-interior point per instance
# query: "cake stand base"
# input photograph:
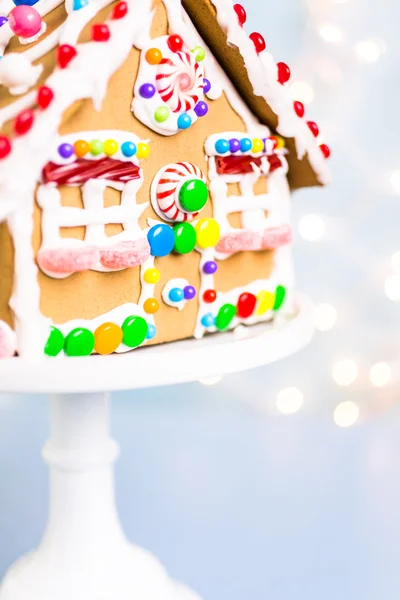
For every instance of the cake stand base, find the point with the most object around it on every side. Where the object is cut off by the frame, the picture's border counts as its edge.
(84, 554)
(139, 575)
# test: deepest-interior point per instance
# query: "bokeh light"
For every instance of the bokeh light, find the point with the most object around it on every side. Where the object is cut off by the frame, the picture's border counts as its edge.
(346, 414)
(345, 372)
(289, 400)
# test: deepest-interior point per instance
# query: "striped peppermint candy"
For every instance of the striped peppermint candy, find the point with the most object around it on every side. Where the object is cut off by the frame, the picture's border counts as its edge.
(166, 187)
(180, 81)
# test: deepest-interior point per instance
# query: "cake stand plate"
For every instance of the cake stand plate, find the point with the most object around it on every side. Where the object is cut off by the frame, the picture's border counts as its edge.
(84, 554)
(177, 362)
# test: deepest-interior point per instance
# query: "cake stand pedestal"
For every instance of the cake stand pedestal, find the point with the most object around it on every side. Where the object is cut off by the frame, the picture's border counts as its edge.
(84, 554)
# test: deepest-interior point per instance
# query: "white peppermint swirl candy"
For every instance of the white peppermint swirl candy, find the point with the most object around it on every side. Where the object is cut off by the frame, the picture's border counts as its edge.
(166, 188)
(180, 81)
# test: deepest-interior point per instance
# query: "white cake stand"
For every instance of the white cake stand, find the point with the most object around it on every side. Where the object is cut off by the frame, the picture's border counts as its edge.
(84, 554)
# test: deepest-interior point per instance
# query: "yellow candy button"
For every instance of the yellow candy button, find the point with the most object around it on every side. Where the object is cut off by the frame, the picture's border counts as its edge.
(143, 150)
(258, 146)
(281, 141)
(208, 233)
(110, 147)
(152, 276)
(265, 301)
(108, 337)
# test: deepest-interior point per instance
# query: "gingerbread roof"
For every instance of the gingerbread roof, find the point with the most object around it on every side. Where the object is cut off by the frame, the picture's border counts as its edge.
(32, 118)
(254, 73)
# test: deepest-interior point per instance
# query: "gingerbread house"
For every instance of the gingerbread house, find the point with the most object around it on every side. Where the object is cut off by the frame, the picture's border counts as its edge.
(147, 156)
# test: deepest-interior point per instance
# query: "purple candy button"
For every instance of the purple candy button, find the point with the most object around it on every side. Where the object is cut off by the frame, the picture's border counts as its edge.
(234, 145)
(147, 90)
(65, 150)
(189, 292)
(210, 267)
(207, 86)
(3, 20)
(201, 109)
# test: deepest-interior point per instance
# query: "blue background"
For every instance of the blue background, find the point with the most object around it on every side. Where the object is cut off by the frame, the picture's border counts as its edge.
(237, 500)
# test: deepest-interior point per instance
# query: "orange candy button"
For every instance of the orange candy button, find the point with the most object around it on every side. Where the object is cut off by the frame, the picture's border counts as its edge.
(81, 148)
(151, 306)
(154, 56)
(108, 337)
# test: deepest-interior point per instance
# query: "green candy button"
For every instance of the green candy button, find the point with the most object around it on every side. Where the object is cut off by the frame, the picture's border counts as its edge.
(55, 342)
(193, 195)
(135, 331)
(79, 342)
(225, 316)
(96, 147)
(280, 295)
(185, 238)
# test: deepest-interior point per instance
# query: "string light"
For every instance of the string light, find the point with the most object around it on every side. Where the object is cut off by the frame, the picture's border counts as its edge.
(325, 317)
(345, 372)
(395, 181)
(331, 33)
(211, 380)
(380, 374)
(346, 414)
(289, 400)
(396, 262)
(312, 227)
(392, 287)
(370, 50)
(301, 90)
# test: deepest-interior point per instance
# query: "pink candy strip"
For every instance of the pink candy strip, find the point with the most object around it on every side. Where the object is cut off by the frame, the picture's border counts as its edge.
(125, 255)
(244, 241)
(65, 261)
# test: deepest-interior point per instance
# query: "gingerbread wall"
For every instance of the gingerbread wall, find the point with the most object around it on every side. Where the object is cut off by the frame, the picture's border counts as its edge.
(89, 294)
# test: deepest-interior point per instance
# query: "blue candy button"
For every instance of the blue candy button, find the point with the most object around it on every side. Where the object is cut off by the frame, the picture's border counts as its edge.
(246, 145)
(161, 239)
(222, 146)
(176, 295)
(208, 320)
(151, 332)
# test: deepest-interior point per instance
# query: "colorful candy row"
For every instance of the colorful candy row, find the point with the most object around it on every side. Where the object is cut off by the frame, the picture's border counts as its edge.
(105, 340)
(183, 237)
(162, 113)
(245, 145)
(109, 148)
(248, 304)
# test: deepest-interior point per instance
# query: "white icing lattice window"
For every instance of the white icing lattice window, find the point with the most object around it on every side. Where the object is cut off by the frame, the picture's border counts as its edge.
(236, 158)
(93, 161)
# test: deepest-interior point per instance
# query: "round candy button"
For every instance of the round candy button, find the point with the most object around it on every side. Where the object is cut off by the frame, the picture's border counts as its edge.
(55, 342)
(280, 295)
(161, 239)
(185, 238)
(225, 316)
(134, 331)
(176, 295)
(79, 342)
(208, 233)
(193, 195)
(108, 337)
